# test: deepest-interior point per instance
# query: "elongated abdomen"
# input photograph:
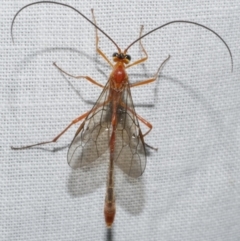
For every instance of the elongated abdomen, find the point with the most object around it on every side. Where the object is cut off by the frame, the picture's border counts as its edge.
(110, 208)
(109, 211)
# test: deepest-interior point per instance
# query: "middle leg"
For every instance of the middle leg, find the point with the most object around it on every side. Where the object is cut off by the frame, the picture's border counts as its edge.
(147, 81)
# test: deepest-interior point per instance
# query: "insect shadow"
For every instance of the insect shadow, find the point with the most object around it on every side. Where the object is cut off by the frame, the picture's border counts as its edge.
(109, 234)
(87, 180)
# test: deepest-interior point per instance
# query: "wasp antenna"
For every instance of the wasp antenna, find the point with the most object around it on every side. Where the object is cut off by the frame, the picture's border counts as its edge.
(189, 22)
(65, 5)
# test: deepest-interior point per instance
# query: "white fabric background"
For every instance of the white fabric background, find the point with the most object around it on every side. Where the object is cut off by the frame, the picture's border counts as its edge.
(190, 189)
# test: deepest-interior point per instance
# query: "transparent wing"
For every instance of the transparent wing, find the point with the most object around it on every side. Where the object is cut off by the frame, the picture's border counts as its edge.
(92, 137)
(130, 154)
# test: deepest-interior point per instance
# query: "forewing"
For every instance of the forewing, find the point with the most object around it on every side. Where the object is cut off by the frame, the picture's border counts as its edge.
(130, 154)
(92, 137)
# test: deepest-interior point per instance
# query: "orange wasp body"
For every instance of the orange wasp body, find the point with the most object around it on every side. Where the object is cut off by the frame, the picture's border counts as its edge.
(112, 124)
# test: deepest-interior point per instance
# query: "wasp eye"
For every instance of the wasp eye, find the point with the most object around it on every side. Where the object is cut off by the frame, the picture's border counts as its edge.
(128, 57)
(115, 55)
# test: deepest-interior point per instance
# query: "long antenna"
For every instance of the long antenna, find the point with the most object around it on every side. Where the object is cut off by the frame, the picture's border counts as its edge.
(68, 6)
(183, 21)
(143, 36)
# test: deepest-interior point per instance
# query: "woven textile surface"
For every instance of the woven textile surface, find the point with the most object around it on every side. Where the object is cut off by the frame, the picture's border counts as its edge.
(190, 189)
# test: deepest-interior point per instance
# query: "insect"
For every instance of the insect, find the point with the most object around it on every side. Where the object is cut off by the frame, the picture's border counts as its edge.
(112, 124)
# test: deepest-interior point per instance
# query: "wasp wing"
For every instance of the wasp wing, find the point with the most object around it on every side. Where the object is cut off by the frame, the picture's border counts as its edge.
(130, 153)
(92, 137)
